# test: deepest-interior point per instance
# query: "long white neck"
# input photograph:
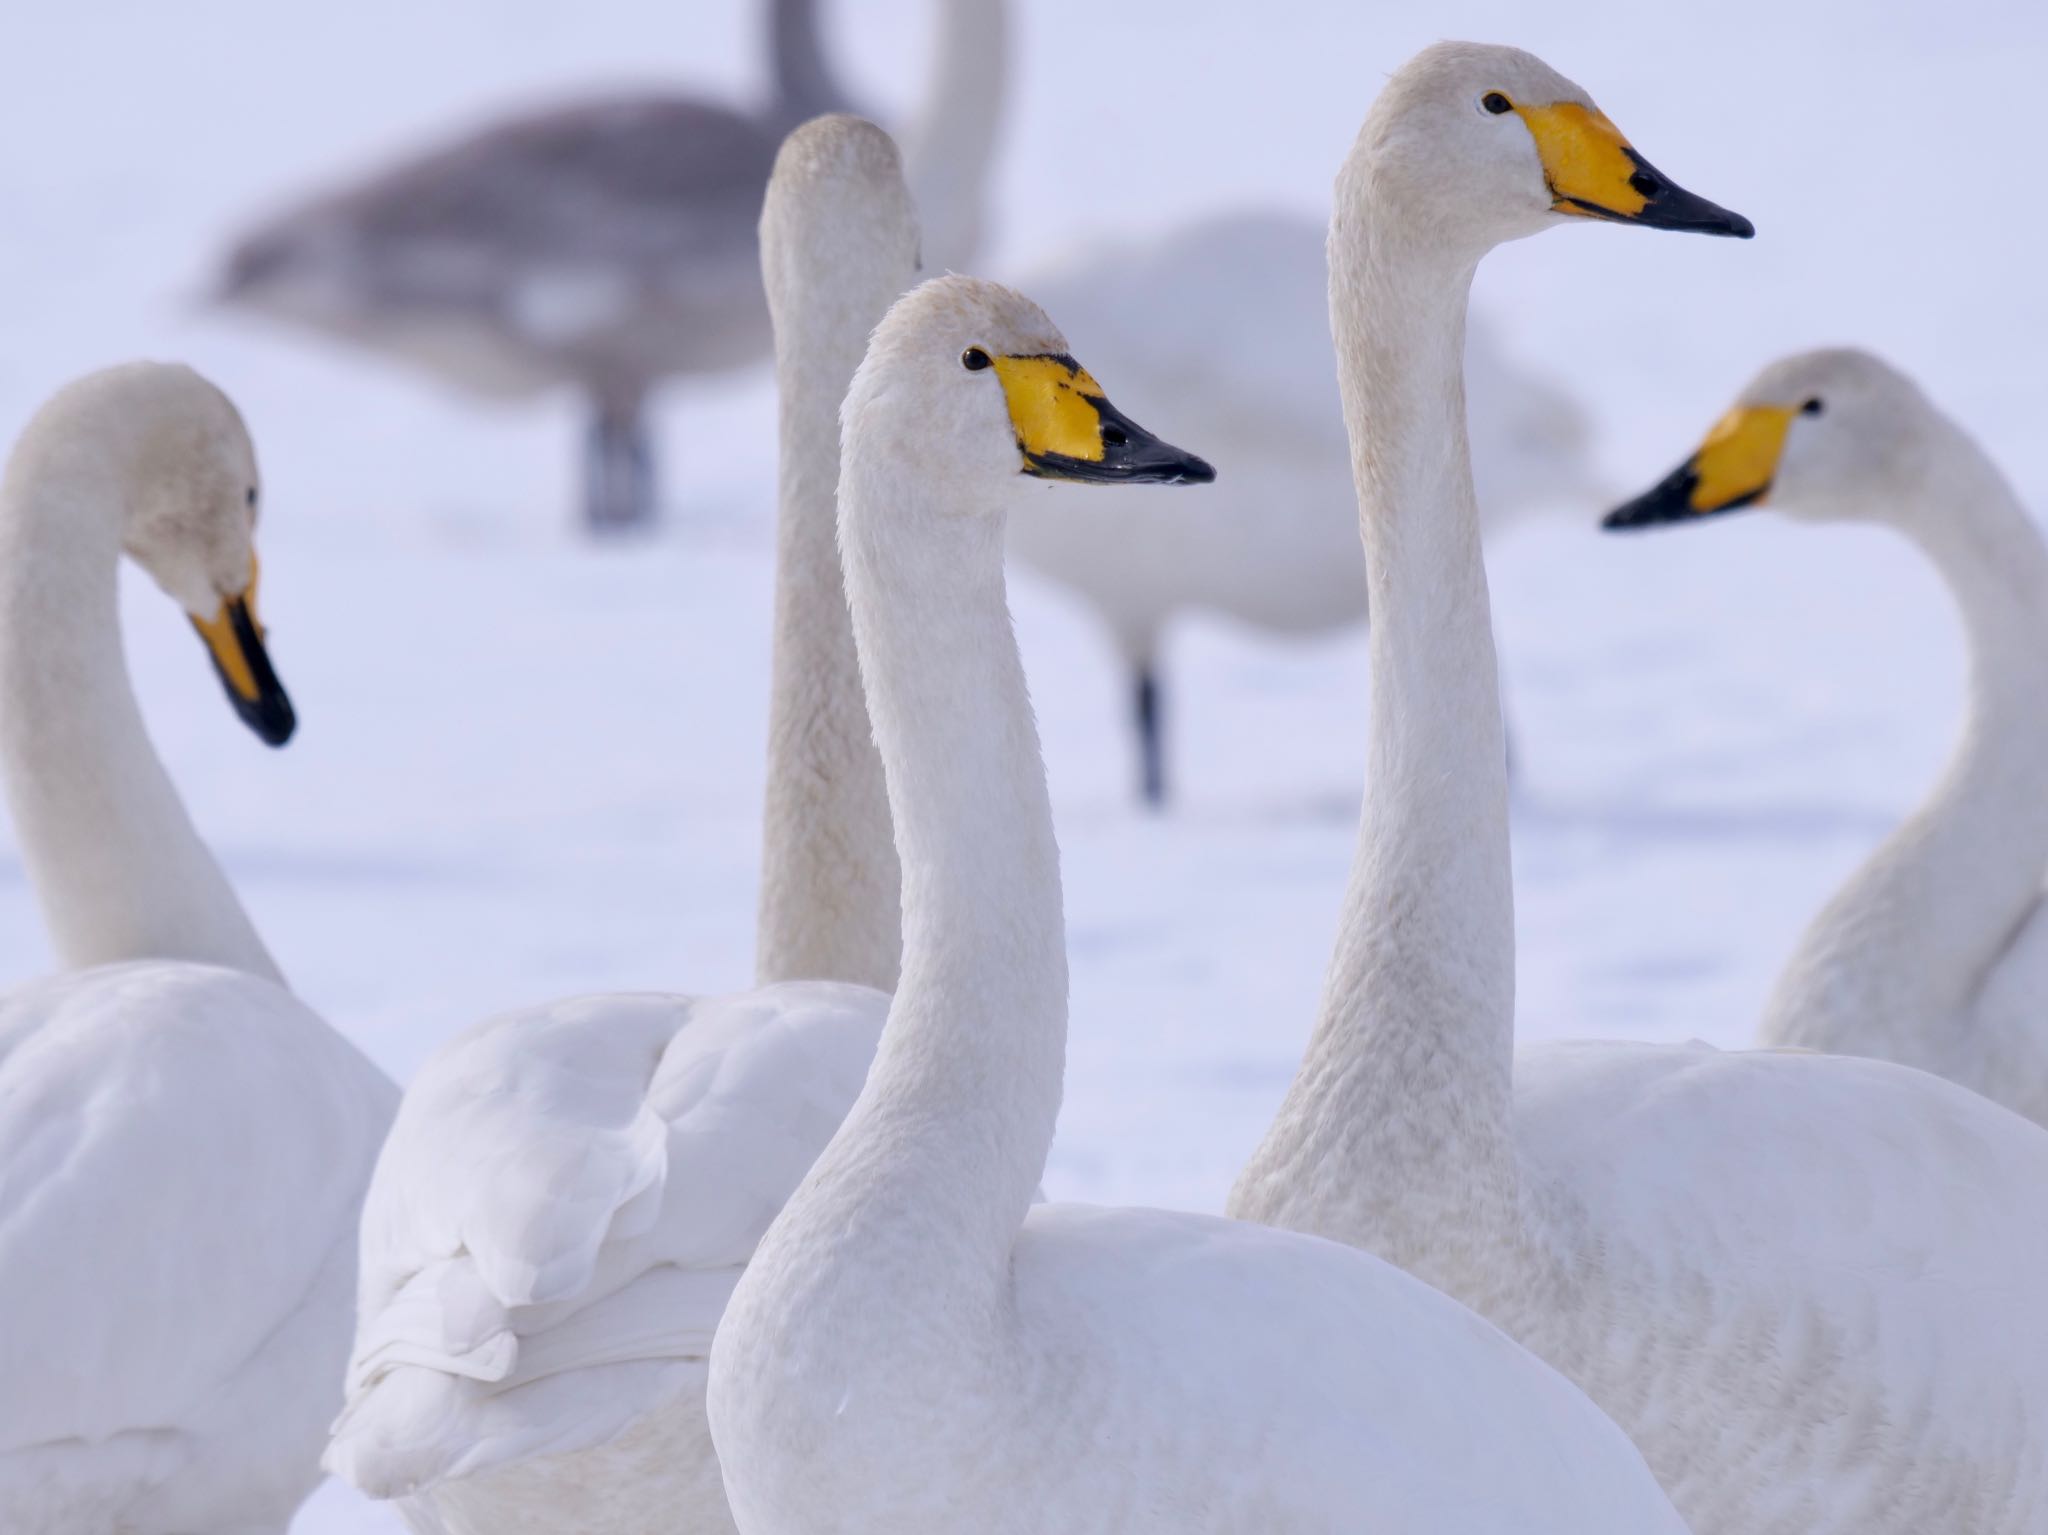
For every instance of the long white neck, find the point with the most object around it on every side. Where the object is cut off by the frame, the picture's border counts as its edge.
(947, 152)
(830, 893)
(117, 866)
(943, 1151)
(1408, 1073)
(1904, 944)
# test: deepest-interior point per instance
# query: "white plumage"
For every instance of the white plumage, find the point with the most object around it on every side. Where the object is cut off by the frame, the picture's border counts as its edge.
(183, 1151)
(571, 1191)
(1807, 1286)
(183, 1145)
(1935, 952)
(1226, 323)
(557, 1220)
(914, 1348)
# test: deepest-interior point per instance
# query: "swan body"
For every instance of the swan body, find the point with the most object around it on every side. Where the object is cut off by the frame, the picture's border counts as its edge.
(1807, 1286)
(1935, 953)
(914, 1348)
(183, 1144)
(1275, 546)
(555, 1225)
(607, 244)
(572, 1190)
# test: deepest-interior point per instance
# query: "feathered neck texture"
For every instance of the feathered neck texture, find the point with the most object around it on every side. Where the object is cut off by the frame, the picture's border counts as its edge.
(946, 1145)
(1410, 1064)
(830, 891)
(118, 868)
(1904, 944)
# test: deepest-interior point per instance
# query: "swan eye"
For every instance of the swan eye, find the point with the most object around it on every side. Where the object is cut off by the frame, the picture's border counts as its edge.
(251, 497)
(974, 359)
(1496, 103)
(1811, 408)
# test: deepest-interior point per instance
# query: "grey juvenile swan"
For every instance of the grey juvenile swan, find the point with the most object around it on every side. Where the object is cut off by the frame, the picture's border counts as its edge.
(607, 244)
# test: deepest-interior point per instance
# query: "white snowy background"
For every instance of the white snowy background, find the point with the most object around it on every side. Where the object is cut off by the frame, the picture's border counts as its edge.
(528, 766)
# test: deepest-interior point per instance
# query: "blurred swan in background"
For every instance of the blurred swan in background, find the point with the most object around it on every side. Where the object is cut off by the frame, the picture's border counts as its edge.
(608, 244)
(1808, 1287)
(1935, 952)
(183, 1144)
(571, 1191)
(917, 1348)
(1226, 323)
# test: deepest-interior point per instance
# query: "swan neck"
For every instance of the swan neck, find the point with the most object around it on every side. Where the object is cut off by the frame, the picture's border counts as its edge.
(1914, 932)
(953, 1127)
(804, 83)
(948, 150)
(1409, 1066)
(831, 896)
(119, 870)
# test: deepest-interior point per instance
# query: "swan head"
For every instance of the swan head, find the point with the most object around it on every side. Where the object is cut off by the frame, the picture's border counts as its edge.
(1479, 144)
(171, 452)
(1823, 436)
(971, 382)
(836, 204)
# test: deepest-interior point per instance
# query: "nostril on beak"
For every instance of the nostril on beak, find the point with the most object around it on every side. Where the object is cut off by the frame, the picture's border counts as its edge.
(1645, 184)
(1114, 436)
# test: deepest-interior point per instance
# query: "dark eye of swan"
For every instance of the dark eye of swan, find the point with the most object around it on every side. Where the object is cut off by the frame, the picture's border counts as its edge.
(1496, 103)
(974, 359)
(251, 497)
(1811, 408)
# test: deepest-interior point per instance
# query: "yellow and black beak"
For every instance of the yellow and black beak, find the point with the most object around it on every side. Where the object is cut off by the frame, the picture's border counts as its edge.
(235, 641)
(1067, 430)
(1733, 469)
(1593, 172)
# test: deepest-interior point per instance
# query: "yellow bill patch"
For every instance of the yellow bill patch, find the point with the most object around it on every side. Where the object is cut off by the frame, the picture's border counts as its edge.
(1052, 406)
(226, 646)
(1740, 457)
(1585, 159)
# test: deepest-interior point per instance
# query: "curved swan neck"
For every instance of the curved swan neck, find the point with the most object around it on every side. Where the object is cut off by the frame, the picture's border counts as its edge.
(947, 152)
(1911, 935)
(1410, 1064)
(118, 868)
(951, 1132)
(804, 83)
(831, 896)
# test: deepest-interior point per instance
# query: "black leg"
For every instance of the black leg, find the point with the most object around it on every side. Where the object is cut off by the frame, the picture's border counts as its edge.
(618, 486)
(1151, 748)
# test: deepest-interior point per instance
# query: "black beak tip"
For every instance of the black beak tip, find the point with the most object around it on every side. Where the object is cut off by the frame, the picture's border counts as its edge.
(270, 715)
(1737, 227)
(1667, 205)
(1680, 210)
(1196, 471)
(1669, 500)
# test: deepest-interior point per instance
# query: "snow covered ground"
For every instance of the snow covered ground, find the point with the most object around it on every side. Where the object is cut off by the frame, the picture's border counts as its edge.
(530, 767)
